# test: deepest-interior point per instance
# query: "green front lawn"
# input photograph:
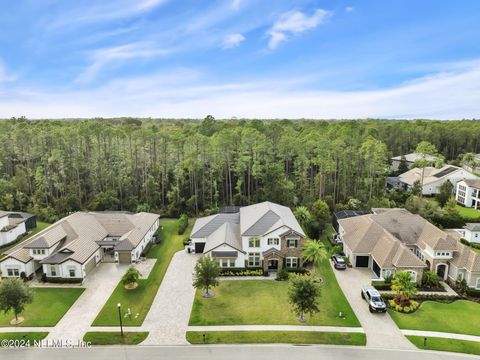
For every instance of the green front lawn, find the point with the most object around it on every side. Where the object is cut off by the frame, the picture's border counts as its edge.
(461, 317)
(275, 337)
(468, 212)
(48, 307)
(451, 345)
(265, 302)
(26, 336)
(115, 338)
(140, 299)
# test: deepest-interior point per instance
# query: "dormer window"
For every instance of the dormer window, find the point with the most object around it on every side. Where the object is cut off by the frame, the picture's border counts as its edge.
(38, 251)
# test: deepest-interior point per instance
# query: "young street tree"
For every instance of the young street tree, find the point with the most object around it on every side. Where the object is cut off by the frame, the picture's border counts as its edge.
(205, 274)
(14, 295)
(131, 277)
(303, 295)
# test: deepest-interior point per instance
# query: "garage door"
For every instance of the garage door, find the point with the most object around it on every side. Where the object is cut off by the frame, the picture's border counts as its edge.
(376, 268)
(90, 265)
(361, 261)
(199, 247)
(124, 257)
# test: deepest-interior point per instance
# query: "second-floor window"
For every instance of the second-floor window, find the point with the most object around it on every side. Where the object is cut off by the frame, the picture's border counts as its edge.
(273, 241)
(254, 242)
(292, 243)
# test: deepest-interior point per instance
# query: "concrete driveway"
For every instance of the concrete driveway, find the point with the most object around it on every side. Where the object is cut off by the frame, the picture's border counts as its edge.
(167, 320)
(381, 330)
(99, 284)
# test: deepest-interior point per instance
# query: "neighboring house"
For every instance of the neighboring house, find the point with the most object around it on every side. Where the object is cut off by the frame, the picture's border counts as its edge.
(393, 240)
(410, 160)
(264, 235)
(473, 166)
(74, 245)
(470, 232)
(433, 178)
(14, 224)
(468, 193)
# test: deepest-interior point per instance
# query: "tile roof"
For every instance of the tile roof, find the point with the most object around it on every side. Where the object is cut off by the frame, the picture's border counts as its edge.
(387, 233)
(430, 175)
(77, 235)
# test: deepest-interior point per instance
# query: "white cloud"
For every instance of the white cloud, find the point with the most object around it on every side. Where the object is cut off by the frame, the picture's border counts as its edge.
(232, 40)
(101, 58)
(349, 9)
(5, 75)
(236, 4)
(450, 94)
(294, 22)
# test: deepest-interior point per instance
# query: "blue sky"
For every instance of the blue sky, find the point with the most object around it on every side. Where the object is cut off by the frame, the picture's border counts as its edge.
(243, 58)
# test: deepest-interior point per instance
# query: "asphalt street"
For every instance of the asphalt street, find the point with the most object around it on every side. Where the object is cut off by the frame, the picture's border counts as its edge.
(222, 352)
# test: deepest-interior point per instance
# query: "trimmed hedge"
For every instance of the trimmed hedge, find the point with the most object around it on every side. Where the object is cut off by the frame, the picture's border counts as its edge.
(425, 297)
(473, 293)
(300, 270)
(242, 272)
(182, 224)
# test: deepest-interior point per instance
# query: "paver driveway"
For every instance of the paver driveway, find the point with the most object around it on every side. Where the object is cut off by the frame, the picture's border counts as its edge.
(99, 285)
(381, 330)
(167, 320)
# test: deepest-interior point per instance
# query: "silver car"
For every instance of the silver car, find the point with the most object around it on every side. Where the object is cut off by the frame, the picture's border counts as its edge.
(374, 299)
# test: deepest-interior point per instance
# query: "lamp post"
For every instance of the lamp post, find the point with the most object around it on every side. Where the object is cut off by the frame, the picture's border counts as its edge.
(120, 317)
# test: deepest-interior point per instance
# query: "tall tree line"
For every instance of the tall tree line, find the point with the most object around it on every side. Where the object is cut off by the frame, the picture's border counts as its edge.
(52, 168)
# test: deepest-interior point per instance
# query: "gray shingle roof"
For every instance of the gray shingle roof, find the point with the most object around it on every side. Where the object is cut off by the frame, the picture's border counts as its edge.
(263, 224)
(211, 223)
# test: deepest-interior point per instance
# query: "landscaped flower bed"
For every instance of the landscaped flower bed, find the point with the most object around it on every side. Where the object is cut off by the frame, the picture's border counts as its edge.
(242, 272)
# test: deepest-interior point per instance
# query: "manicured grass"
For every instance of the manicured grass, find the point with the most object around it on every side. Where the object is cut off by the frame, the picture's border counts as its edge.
(468, 212)
(451, 345)
(275, 337)
(461, 317)
(265, 302)
(27, 336)
(140, 299)
(40, 226)
(48, 307)
(115, 338)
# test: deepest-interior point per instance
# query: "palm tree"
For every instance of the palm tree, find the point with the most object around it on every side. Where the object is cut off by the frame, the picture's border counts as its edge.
(404, 288)
(314, 252)
(303, 215)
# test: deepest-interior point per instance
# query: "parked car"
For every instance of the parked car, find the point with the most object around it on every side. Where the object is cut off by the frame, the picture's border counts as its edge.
(374, 299)
(339, 262)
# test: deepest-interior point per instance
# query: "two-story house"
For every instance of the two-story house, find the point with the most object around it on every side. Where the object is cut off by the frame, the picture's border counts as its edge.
(14, 224)
(264, 235)
(468, 193)
(392, 240)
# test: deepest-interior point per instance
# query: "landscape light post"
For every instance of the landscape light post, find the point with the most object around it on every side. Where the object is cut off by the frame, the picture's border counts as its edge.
(120, 317)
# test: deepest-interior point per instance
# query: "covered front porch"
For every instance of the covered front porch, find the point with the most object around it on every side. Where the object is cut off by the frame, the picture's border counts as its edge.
(273, 260)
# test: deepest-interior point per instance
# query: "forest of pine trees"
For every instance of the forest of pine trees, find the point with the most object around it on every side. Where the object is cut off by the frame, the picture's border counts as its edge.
(52, 168)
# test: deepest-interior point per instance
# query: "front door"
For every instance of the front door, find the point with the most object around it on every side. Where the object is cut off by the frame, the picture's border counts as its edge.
(272, 264)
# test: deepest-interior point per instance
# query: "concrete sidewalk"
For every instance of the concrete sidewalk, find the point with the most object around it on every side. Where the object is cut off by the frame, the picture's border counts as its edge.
(441, 335)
